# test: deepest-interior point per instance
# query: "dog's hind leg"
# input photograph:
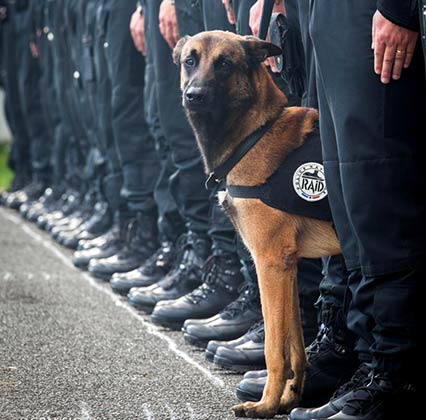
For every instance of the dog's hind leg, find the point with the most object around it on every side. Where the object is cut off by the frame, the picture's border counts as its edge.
(294, 387)
(276, 278)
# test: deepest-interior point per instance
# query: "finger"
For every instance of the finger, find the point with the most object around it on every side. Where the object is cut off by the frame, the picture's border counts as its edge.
(175, 35)
(139, 42)
(373, 35)
(379, 50)
(143, 46)
(410, 52)
(230, 13)
(169, 36)
(162, 29)
(398, 63)
(388, 60)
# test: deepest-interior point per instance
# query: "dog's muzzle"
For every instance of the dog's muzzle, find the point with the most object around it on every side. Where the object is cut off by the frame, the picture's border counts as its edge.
(196, 98)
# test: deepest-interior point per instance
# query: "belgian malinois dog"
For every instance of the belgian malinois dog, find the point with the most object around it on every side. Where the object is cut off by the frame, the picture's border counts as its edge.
(228, 94)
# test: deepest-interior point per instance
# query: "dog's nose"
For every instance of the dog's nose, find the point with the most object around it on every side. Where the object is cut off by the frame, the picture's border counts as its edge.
(196, 95)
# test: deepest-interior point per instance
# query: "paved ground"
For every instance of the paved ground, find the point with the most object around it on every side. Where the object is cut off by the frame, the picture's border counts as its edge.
(71, 349)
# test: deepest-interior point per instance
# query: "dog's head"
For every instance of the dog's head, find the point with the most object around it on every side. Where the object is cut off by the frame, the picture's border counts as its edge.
(217, 70)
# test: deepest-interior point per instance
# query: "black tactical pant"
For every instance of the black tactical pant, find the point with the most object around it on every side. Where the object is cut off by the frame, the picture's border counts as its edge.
(101, 104)
(170, 223)
(134, 143)
(13, 47)
(73, 145)
(334, 287)
(51, 108)
(187, 182)
(370, 134)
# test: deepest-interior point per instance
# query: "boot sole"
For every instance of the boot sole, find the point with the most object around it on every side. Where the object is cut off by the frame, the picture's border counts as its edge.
(210, 356)
(173, 325)
(247, 396)
(102, 276)
(195, 341)
(81, 266)
(226, 364)
(144, 308)
(121, 292)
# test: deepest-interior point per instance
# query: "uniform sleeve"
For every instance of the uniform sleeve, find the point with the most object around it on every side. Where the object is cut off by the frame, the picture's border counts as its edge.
(401, 12)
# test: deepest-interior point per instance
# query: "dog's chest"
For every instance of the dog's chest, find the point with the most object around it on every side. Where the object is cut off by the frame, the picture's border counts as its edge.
(296, 187)
(226, 202)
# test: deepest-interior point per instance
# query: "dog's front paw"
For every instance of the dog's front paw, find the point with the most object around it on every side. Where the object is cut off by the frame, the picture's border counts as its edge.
(254, 410)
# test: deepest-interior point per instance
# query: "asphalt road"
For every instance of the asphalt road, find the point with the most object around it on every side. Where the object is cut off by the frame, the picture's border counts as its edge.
(70, 349)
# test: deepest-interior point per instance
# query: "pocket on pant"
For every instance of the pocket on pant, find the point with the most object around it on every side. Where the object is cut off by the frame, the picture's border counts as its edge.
(394, 306)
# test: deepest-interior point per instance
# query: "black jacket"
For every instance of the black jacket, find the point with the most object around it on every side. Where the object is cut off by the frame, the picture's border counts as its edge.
(401, 12)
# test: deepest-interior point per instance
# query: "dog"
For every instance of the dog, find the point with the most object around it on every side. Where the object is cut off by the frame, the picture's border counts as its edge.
(229, 97)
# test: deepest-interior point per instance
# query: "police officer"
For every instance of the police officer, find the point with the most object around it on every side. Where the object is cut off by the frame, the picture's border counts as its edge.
(20, 158)
(371, 103)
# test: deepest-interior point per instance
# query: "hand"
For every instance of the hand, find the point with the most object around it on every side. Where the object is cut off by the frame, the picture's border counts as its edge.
(229, 11)
(137, 30)
(168, 23)
(393, 48)
(254, 22)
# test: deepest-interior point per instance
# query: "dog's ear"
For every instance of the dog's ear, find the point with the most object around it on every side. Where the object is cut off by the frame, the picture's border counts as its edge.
(178, 49)
(258, 51)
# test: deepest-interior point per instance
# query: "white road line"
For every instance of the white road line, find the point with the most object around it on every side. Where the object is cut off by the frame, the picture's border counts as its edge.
(171, 412)
(85, 414)
(151, 329)
(190, 411)
(147, 412)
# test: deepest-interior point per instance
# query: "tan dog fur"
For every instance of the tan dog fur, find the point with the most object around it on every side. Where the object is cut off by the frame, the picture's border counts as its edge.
(274, 238)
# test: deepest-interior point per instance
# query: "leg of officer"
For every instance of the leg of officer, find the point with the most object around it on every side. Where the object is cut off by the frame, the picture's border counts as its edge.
(186, 183)
(367, 163)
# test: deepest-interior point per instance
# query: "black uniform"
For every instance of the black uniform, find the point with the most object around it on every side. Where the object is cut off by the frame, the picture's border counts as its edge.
(370, 134)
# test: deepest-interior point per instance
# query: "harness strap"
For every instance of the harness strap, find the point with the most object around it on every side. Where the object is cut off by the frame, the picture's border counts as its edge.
(244, 191)
(219, 174)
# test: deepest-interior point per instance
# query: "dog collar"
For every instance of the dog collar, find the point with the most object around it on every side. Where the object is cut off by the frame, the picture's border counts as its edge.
(219, 174)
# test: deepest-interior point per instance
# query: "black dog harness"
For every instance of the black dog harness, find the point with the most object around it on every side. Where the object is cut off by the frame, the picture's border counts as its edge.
(297, 186)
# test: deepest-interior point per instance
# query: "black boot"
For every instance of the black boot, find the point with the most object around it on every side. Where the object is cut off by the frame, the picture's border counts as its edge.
(248, 355)
(185, 277)
(221, 278)
(331, 364)
(229, 324)
(140, 243)
(371, 400)
(337, 401)
(154, 268)
(98, 223)
(111, 245)
(29, 194)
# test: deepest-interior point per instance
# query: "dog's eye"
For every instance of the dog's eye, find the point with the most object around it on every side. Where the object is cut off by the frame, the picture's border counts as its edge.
(190, 61)
(223, 63)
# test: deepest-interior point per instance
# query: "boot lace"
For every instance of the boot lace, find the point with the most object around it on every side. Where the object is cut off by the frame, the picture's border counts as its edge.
(160, 259)
(314, 348)
(374, 386)
(357, 379)
(248, 295)
(257, 332)
(183, 265)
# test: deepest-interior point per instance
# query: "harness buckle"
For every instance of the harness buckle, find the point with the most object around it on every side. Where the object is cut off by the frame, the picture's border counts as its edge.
(212, 181)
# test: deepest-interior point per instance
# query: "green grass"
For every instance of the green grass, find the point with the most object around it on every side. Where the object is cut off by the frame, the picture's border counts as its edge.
(5, 173)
